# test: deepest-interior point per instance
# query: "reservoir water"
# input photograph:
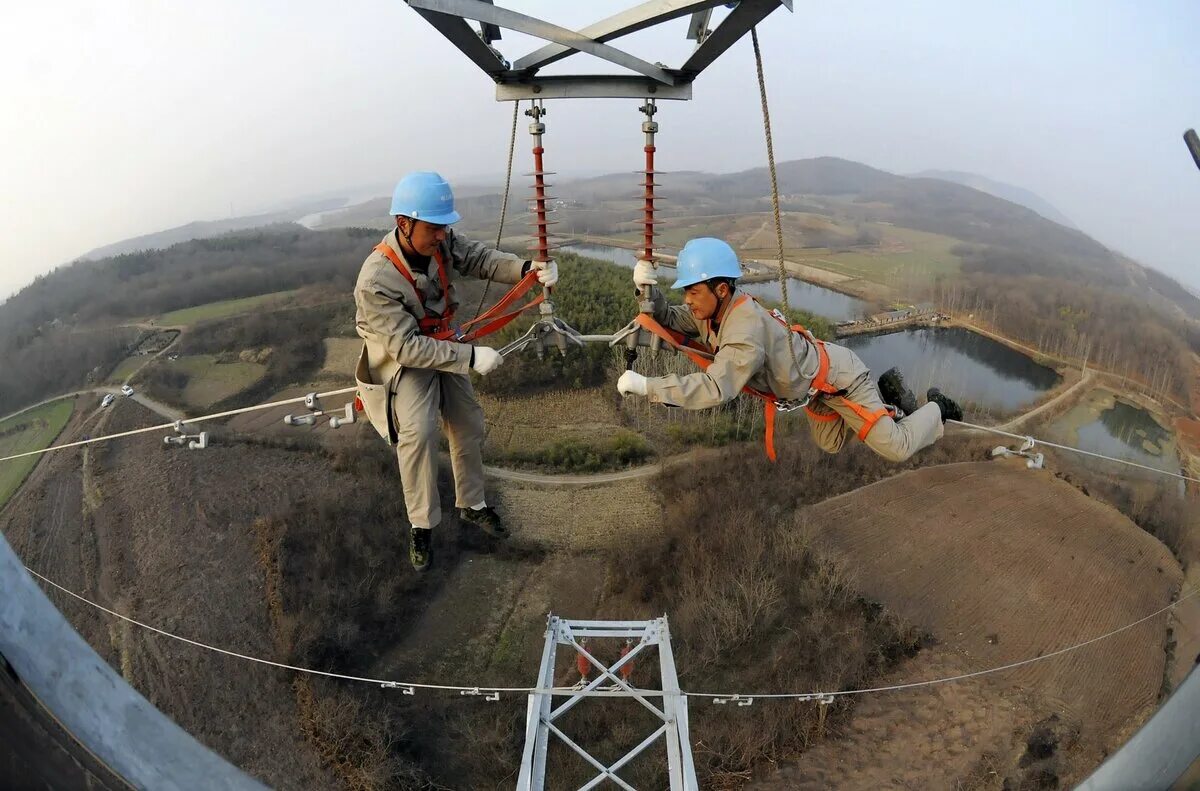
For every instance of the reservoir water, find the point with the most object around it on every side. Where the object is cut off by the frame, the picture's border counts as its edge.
(1103, 423)
(979, 372)
(824, 302)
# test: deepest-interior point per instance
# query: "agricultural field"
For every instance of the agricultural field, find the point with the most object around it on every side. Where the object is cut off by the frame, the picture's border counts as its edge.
(874, 252)
(222, 309)
(210, 381)
(903, 253)
(32, 430)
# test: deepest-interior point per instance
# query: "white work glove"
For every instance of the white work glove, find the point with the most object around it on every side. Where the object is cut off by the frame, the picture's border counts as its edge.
(631, 383)
(644, 274)
(487, 360)
(547, 272)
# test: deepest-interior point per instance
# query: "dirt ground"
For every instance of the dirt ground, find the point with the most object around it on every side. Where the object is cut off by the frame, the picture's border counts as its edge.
(999, 564)
(164, 535)
(996, 562)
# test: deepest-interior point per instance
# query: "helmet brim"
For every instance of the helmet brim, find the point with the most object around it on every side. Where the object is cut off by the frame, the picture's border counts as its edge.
(449, 218)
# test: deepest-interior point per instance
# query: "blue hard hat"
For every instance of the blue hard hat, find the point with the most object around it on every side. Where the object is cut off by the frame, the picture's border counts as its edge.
(703, 259)
(424, 195)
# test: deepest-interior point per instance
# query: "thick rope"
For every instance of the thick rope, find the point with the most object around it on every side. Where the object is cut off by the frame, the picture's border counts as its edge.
(766, 113)
(512, 147)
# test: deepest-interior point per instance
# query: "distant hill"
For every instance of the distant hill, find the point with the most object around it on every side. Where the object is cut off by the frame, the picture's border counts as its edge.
(1005, 229)
(1008, 192)
(161, 240)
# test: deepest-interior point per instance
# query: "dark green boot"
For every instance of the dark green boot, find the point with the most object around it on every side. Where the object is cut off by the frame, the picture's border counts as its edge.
(420, 547)
(894, 393)
(950, 410)
(486, 519)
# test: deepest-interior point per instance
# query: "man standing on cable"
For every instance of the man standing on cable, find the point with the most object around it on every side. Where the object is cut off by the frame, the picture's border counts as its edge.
(413, 368)
(751, 352)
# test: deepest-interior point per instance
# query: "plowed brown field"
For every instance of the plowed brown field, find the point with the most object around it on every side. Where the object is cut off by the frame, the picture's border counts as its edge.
(999, 564)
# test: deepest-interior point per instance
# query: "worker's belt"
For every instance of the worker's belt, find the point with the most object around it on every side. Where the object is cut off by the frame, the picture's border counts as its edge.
(440, 328)
(819, 388)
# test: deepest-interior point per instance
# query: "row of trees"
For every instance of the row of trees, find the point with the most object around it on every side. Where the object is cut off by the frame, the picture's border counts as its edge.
(1067, 319)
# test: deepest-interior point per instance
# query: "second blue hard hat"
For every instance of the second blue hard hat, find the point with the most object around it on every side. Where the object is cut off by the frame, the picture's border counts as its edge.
(703, 259)
(425, 195)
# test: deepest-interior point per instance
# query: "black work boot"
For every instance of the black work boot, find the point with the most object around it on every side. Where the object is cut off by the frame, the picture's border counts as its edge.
(894, 393)
(950, 410)
(486, 519)
(420, 547)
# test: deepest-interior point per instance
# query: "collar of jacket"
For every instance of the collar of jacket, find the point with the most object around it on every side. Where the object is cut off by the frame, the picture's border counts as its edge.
(392, 240)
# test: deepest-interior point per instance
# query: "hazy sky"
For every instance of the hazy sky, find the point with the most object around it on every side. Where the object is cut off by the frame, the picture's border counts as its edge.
(132, 116)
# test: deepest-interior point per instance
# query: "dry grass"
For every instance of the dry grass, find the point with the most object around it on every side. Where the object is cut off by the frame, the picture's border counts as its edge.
(560, 430)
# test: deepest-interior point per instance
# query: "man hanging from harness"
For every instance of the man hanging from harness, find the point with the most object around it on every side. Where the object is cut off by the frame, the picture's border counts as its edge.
(741, 346)
(415, 363)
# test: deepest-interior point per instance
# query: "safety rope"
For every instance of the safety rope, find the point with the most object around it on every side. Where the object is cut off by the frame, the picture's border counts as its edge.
(172, 424)
(766, 113)
(744, 697)
(512, 147)
(1070, 449)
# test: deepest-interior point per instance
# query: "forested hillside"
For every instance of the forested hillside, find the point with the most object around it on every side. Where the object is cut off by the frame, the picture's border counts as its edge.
(61, 332)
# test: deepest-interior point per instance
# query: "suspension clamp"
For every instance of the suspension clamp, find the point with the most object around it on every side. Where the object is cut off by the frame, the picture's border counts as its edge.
(1033, 461)
(740, 700)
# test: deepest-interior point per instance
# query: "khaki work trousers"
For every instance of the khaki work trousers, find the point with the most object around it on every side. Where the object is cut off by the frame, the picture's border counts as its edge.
(421, 396)
(832, 422)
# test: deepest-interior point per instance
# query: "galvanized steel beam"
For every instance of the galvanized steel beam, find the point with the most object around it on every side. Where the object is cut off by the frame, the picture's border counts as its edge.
(92, 702)
(629, 21)
(532, 26)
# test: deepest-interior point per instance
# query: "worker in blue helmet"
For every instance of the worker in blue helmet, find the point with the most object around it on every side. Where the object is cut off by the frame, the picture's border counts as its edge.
(413, 369)
(756, 348)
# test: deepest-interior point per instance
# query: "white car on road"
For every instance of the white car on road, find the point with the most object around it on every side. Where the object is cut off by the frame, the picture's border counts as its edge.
(108, 399)
(126, 390)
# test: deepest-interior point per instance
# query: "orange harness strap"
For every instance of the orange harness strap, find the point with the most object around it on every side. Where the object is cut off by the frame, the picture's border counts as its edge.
(490, 321)
(820, 383)
(702, 356)
(817, 416)
(494, 318)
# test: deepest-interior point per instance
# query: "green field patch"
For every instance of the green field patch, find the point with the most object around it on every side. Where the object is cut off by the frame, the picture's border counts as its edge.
(221, 310)
(210, 381)
(32, 430)
(126, 369)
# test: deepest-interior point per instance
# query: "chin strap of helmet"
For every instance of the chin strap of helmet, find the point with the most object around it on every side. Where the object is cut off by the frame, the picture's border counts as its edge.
(716, 319)
(407, 235)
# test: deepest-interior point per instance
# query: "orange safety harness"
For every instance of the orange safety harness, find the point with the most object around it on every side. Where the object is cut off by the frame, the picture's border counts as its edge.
(439, 328)
(702, 355)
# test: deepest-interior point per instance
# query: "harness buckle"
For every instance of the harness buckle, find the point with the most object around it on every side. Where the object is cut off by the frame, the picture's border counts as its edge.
(783, 406)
